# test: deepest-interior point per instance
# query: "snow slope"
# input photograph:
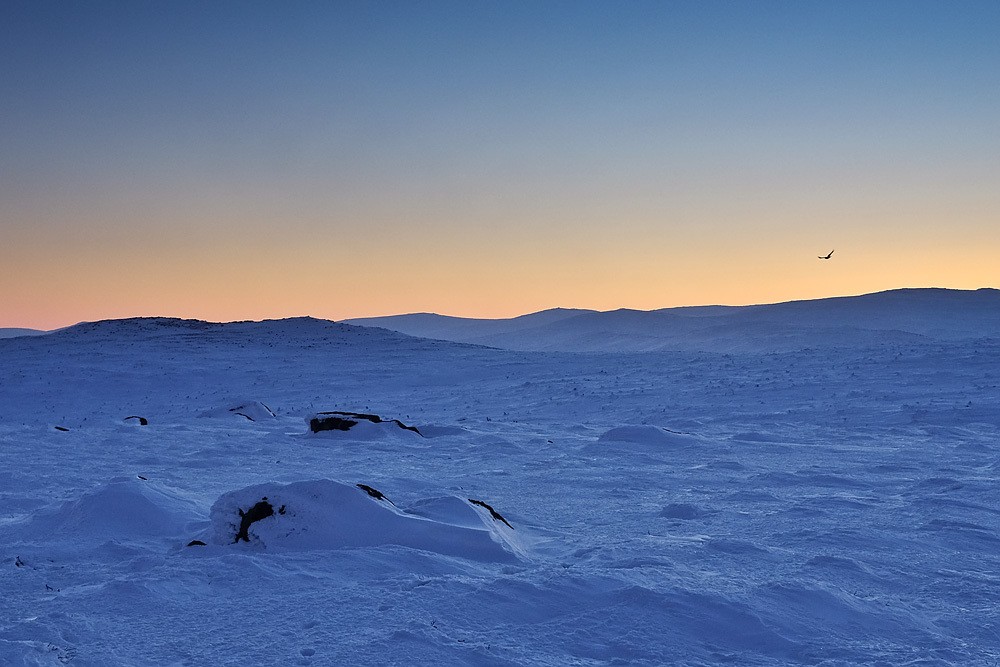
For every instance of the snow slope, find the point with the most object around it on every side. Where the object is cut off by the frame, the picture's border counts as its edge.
(904, 315)
(831, 504)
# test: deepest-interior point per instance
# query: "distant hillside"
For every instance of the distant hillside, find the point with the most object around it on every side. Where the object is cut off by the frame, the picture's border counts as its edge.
(15, 332)
(905, 315)
(444, 327)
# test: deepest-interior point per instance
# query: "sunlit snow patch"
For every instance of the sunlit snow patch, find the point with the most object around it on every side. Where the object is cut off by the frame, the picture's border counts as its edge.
(323, 514)
(647, 435)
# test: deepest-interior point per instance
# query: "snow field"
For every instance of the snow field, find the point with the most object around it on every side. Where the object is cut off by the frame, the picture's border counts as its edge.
(829, 506)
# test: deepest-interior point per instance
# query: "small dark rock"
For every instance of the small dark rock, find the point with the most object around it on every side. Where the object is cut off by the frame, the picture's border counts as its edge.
(261, 510)
(196, 543)
(493, 513)
(374, 493)
(142, 420)
(61, 428)
(317, 424)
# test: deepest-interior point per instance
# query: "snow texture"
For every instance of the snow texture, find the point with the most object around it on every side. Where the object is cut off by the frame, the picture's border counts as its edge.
(827, 500)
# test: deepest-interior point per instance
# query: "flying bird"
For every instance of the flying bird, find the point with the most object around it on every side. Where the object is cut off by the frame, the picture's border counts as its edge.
(827, 257)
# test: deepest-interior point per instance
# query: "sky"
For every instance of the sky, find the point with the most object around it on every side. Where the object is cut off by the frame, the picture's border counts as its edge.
(251, 160)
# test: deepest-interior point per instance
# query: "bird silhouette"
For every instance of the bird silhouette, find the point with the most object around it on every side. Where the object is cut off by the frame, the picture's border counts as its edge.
(827, 257)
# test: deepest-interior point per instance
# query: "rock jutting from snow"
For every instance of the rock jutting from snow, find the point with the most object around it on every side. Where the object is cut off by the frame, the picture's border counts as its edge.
(132, 419)
(253, 411)
(337, 420)
(324, 514)
(493, 513)
(260, 510)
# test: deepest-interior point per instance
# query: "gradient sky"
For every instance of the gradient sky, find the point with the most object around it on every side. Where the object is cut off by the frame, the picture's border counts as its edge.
(338, 159)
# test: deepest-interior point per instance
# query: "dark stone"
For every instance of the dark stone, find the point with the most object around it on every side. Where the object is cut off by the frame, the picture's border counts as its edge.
(343, 421)
(261, 510)
(196, 543)
(317, 424)
(493, 513)
(142, 420)
(18, 562)
(61, 428)
(145, 479)
(374, 493)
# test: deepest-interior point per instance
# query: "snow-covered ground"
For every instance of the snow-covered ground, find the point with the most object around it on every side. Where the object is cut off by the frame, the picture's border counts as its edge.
(836, 503)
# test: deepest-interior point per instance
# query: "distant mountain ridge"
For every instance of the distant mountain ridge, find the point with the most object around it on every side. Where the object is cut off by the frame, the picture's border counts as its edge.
(903, 315)
(14, 332)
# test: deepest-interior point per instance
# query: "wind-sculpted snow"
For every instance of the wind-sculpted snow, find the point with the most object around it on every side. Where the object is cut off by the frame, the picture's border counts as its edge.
(124, 510)
(646, 434)
(323, 514)
(831, 505)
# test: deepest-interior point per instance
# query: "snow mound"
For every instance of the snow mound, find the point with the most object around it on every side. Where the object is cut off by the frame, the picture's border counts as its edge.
(324, 514)
(647, 435)
(683, 511)
(124, 508)
(254, 411)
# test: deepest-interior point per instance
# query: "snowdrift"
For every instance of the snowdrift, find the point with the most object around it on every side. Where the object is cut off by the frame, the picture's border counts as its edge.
(323, 514)
(647, 435)
(254, 411)
(124, 509)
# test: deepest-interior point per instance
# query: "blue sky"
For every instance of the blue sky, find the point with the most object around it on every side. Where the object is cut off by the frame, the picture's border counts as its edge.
(490, 158)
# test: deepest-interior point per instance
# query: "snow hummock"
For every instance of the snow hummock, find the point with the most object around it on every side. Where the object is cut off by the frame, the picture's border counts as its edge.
(324, 514)
(250, 410)
(122, 509)
(645, 434)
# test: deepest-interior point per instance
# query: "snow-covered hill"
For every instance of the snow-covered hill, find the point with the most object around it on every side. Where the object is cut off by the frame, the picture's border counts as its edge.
(899, 316)
(15, 332)
(465, 329)
(834, 504)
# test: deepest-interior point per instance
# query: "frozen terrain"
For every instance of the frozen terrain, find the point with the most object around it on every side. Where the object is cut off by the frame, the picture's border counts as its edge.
(815, 485)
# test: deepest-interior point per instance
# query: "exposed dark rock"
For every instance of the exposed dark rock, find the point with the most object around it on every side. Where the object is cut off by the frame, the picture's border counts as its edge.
(493, 513)
(18, 562)
(374, 493)
(196, 543)
(145, 479)
(317, 424)
(343, 421)
(261, 510)
(61, 428)
(142, 420)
